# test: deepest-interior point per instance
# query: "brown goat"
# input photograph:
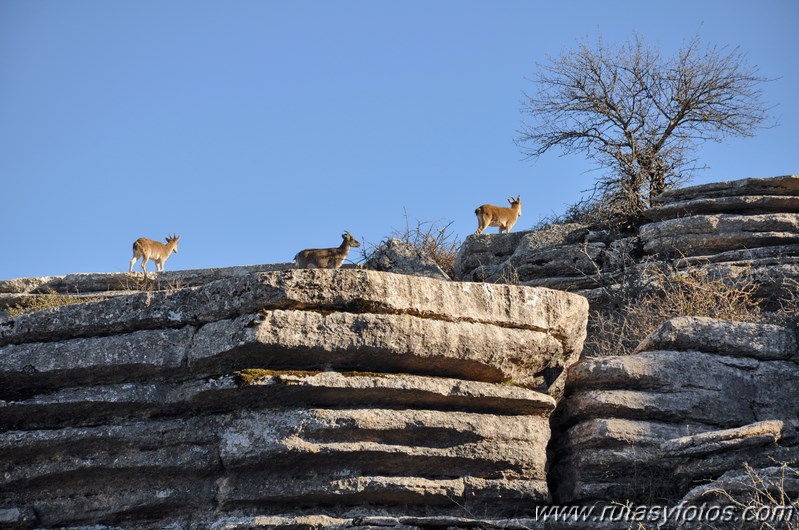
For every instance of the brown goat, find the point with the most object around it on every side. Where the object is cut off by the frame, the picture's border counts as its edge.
(504, 218)
(147, 249)
(326, 258)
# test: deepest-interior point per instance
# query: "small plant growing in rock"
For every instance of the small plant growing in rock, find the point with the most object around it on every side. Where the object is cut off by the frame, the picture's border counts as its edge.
(49, 300)
(509, 275)
(769, 494)
(430, 239)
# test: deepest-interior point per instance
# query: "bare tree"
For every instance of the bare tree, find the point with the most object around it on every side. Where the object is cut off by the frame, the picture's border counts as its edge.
(639, 115)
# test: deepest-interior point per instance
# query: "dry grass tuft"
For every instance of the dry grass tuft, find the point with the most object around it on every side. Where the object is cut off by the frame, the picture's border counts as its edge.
(49, 300)
(668, 295)
(432, 239)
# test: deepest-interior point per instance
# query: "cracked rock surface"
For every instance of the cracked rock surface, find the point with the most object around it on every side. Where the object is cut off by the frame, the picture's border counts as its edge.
(276, 392)
(701, 397)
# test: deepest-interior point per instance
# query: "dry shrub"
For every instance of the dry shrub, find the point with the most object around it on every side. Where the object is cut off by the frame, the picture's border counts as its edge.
(769, 495)
(433, 240)
(149, 282)
(668, 294)
(49, 300)
(787, 313)
(509, 275)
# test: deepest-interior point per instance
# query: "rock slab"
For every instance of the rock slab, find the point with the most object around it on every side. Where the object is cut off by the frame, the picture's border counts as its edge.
(701, 397)
(274, 392)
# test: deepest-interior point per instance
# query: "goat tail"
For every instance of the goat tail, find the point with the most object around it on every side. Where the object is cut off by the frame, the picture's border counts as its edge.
(477, 211)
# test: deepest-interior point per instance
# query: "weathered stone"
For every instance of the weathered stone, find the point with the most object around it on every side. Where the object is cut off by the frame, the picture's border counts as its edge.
(758, 341)
(692, 406)
(329, 290)
(614, 432)
(15, 301)
(29, 368)
(634, 463)
(184, 444)
(658, 413)
(751, 445)
(494, 257)
(756, 434)
(766, 493)
(356, 390)
(748, 205)
(564, 260)
(374, 442)
(101, 282)
(95, 405)
(480, 256)
(710, 234)
(644, 386)
(394, 255)
(384, 343)
(779, 186)
(344, 457)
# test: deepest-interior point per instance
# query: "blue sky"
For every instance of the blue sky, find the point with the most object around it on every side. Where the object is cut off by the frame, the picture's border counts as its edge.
(254, 129)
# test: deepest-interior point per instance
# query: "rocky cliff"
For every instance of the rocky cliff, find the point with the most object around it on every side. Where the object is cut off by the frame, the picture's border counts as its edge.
(731, 228)
(256, 397)
(700, 399)
(705, 411)
(320, 392)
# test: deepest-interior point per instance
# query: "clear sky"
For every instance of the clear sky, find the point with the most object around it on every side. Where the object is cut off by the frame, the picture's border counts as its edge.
(254, 129)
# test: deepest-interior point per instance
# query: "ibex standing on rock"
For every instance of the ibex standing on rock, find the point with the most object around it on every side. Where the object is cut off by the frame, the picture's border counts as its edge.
(147, 249)
(504, 218)
(326, 258)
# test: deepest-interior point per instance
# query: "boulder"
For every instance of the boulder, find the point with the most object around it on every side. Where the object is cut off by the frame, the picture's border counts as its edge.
(492, 257)
(739, 339)
(394, 255)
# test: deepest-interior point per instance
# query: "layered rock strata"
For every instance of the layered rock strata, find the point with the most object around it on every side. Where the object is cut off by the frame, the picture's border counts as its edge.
(101, 285)
(701, 398)
(317, 391)
(733, 229)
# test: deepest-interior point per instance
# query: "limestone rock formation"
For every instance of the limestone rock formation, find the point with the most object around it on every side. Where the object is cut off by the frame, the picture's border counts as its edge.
(394, 255)
(732, 229)
(101, 285)
(701, 398)
(337, 393)
(700, 235)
